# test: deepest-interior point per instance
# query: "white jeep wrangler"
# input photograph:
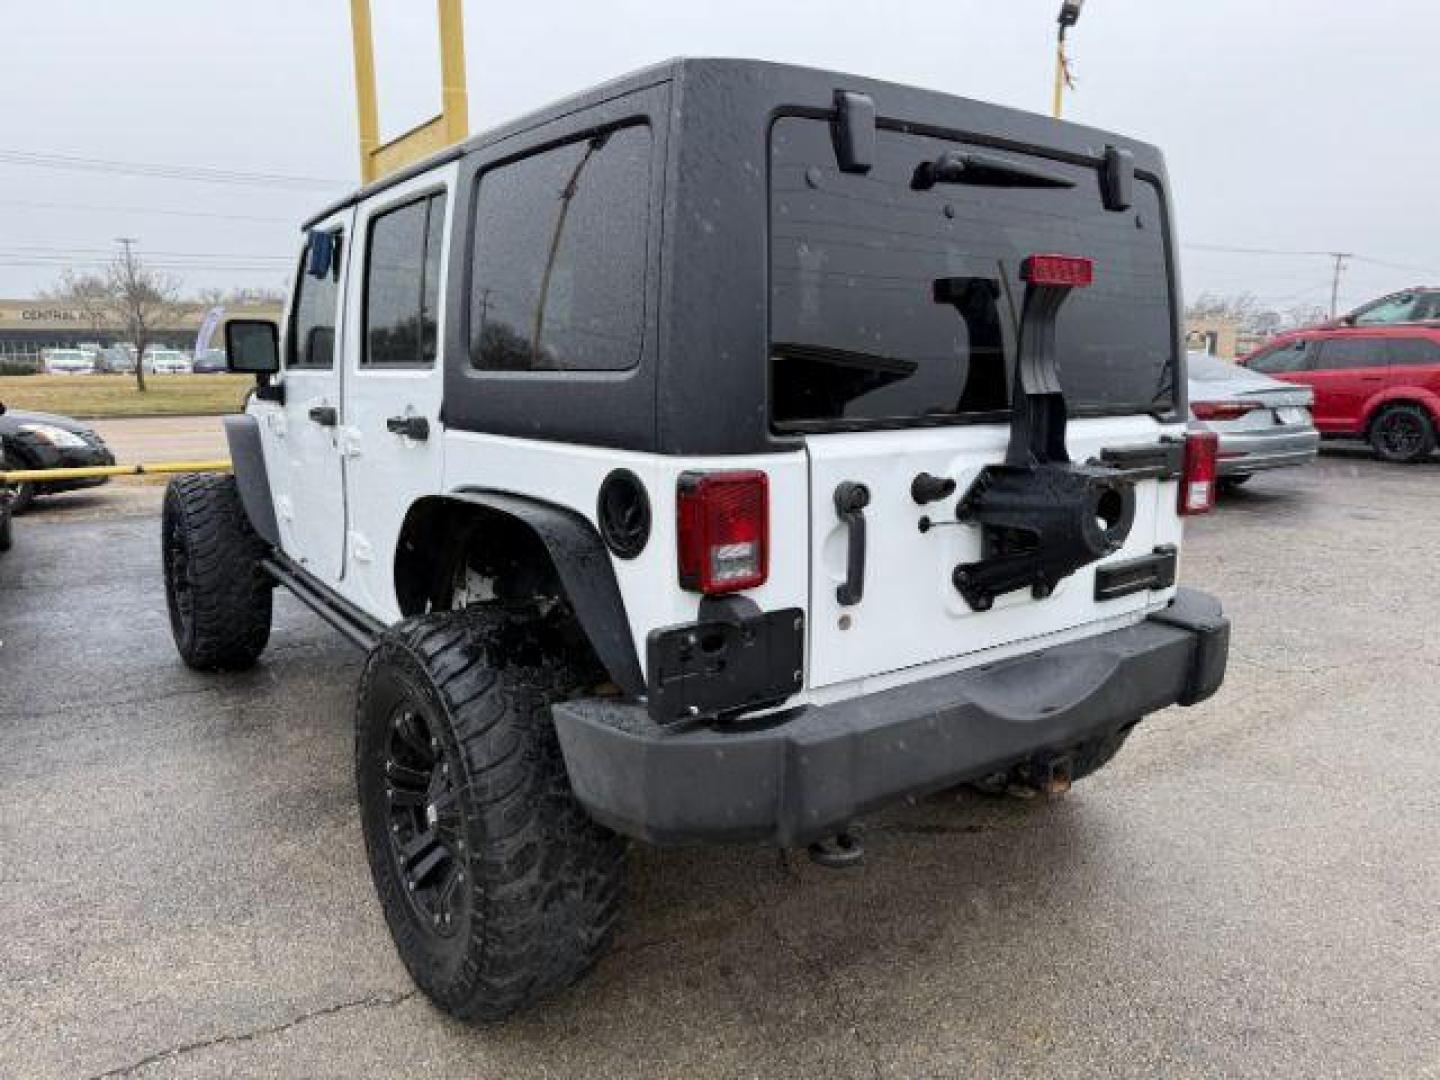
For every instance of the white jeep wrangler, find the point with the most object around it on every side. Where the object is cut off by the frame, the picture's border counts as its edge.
(717, 455)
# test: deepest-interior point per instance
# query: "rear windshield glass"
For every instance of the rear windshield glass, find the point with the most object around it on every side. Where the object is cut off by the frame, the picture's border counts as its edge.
(892, 305)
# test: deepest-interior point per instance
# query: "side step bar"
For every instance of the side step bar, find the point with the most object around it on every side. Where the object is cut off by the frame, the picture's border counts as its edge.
(356, 625)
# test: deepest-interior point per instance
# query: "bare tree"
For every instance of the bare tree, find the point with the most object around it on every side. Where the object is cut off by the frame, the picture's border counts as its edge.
(88, 294)
(1243, 309)
(1305, 315)
(140, 300)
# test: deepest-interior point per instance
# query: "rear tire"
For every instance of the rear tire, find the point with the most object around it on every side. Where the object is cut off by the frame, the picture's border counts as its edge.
(1233, 483)
(1403, 433)
(498, 888)
(6, 535)
(218, 594)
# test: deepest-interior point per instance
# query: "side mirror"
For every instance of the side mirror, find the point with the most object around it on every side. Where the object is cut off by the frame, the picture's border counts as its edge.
(252, 347)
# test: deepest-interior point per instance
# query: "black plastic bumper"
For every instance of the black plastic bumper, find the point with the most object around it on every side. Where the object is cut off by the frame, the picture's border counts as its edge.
(819, 767)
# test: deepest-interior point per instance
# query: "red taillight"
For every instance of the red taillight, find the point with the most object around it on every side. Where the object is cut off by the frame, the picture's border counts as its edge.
(1073, 270)
(723, 535)
(1197, 478)
(1223, 410)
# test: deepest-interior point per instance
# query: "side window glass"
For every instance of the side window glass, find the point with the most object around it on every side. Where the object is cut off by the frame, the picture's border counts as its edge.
(311, 343)
(1413, 352)
(1392, 310)
(559, 260)
(1349, 354)
(402, 287)
(1281, 360)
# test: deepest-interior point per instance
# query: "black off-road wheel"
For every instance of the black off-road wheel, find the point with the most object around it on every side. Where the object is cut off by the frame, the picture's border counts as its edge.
(498, 888)
(218, 594)
(1403, 433)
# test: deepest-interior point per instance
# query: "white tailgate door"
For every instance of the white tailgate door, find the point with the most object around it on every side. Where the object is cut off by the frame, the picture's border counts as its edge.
(910, 612)
(394, 377)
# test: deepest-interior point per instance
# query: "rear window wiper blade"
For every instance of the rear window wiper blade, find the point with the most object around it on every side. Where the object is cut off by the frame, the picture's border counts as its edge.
(983, 170)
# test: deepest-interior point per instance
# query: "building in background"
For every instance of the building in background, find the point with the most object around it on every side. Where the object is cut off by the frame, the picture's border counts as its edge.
(29, 327)
(1222, 338)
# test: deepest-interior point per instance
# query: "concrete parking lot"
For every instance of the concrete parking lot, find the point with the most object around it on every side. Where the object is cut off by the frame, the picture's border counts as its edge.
(1252, 889)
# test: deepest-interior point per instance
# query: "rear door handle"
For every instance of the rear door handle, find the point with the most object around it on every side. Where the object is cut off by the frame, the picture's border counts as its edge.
(325, 415)
(412, 427)
(850, 502)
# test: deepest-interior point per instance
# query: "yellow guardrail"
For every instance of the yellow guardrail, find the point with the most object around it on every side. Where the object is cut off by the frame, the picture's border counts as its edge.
(20, 476)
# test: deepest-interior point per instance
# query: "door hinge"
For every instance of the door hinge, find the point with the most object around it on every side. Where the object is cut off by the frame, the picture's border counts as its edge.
(361, 549)
(350, 441)
(284, 508)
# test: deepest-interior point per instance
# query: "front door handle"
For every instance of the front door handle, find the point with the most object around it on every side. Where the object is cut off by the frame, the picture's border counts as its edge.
(325, 415)
(851, 499)
(412, 427)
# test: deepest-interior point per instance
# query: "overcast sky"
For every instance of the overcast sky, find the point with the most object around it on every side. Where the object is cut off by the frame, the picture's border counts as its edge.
(1288, 125)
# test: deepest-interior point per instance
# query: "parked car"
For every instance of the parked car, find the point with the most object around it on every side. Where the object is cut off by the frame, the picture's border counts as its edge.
(117, 360)
(1409, 306)
(1262, 423)
(67, 362)
(167, 362)
(7, 496)
(1378, 383)
(35, 440)
(780, 472)
(210, 362)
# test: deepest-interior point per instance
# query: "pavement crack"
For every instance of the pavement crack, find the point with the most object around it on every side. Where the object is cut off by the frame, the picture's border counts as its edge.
(373, 1001)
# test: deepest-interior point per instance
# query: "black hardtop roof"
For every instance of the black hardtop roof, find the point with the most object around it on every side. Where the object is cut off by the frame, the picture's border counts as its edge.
(893, 100)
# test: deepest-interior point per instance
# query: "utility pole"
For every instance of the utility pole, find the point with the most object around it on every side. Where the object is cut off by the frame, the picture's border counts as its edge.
(1339, 257)
(1069, 16)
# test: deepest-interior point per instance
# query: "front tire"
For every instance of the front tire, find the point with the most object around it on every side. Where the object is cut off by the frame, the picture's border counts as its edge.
(1403, 434)
(23, 497)
(218, 594)
(497, 886)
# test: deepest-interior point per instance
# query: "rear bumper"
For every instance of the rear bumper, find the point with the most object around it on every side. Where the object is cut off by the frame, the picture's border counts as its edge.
(1241, 455)
(816, 768)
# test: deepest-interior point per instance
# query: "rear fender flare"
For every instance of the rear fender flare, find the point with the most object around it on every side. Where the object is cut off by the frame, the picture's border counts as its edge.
(583, 565)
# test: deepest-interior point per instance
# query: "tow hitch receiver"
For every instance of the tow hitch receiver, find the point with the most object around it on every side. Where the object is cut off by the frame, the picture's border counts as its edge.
(1042, 517)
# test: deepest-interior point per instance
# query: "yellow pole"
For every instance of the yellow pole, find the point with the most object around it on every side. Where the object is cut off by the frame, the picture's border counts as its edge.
(366, 110)
(19, 476)
(1059, 76)
(454, 104)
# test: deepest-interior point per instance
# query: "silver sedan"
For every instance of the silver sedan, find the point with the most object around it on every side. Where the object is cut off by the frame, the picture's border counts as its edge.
(1262, 423)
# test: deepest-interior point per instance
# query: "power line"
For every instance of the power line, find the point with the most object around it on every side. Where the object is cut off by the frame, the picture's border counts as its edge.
(91, 207)
(163, 171)
(1249, 250)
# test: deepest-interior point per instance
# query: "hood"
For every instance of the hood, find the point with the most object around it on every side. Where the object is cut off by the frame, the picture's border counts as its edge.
(12, 419)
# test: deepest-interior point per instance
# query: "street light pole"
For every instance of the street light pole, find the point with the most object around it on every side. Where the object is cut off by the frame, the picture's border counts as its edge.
(1069, 16)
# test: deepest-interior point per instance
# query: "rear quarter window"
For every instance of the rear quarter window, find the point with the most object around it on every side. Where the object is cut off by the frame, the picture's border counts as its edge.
(558, 280)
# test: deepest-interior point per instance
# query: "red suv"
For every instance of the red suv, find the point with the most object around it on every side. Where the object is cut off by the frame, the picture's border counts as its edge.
(1381, 383)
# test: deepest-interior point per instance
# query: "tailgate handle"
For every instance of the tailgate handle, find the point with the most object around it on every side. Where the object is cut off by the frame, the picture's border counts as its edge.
(851, 499)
